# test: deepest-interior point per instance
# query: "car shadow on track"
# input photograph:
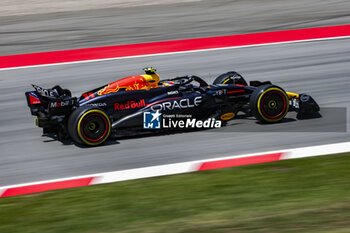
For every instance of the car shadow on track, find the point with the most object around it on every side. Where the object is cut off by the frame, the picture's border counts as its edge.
(69, 142)
(330, 120)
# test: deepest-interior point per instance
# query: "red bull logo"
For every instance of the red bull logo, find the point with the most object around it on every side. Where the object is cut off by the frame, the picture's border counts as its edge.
(131, 83)
(110, 88)
(130, 104)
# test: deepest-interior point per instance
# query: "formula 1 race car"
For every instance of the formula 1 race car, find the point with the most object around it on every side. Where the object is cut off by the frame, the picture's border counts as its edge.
(91, 118)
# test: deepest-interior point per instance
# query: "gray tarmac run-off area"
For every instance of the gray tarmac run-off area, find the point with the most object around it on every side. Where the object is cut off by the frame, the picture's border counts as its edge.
(319, 68)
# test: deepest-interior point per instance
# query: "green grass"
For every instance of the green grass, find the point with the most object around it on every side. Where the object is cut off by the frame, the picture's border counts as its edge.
(304, 195)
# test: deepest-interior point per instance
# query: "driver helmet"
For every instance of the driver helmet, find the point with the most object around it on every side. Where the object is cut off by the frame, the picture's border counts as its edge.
(152, 78)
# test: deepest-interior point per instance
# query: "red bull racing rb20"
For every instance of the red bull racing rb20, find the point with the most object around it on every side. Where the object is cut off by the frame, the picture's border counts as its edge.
(133, 103)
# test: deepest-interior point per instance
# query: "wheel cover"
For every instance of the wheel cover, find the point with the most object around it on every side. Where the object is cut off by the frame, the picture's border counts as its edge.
(94, 127)
(273, 105)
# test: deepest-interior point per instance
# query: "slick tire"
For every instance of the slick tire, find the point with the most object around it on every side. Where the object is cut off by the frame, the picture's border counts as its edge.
(230, 77)
(89, 125)
(269, 103)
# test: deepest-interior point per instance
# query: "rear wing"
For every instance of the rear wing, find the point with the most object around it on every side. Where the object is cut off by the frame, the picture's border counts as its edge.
(54, 101)
(49, 93)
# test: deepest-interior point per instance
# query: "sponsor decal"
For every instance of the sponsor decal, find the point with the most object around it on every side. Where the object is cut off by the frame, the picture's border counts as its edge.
(132, 83)
(173, 92)
(227, 116)
(220, 92)
(155, 120)
(294, 103)
(97, 104)
(177, 104)
(152, 120)
(304, 98)
(112, 88)
(130, 104)
(64, 103)
(45, 92)
(191, 123)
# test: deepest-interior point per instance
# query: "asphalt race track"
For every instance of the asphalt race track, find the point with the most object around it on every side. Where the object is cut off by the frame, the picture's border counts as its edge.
(319, 68)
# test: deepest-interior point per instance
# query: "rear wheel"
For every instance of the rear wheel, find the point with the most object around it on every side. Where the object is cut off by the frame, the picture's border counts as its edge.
(269, 103)
(89, 125)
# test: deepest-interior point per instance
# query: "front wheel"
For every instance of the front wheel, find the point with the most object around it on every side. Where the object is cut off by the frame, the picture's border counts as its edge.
(269, 103)
(89, 125)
